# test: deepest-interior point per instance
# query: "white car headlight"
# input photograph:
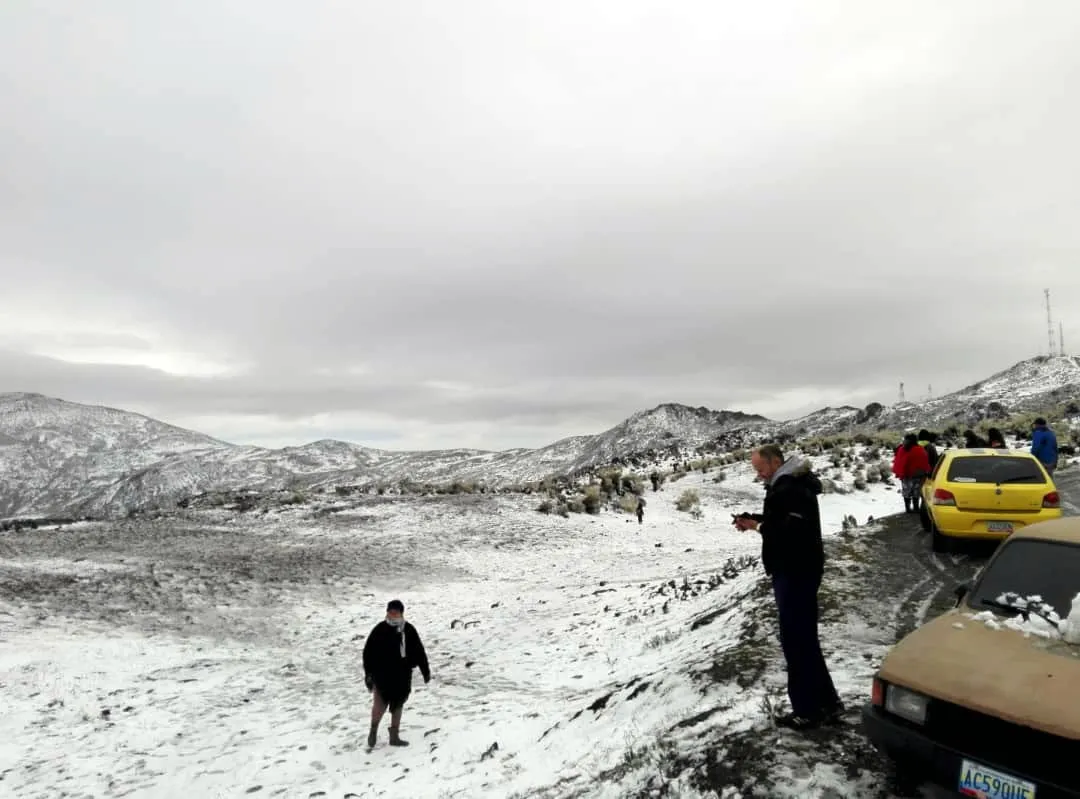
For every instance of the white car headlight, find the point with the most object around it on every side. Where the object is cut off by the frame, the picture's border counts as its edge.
(906, 704)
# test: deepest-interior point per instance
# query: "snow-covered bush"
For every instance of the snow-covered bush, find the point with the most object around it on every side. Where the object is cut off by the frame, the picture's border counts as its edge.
(591, 500)
(687, 500)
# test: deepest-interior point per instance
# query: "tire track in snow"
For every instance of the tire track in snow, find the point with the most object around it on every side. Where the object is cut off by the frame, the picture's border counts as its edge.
(902, 608)
(1069, 487)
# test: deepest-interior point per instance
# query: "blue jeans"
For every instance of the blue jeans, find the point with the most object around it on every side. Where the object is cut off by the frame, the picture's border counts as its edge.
(810, 686)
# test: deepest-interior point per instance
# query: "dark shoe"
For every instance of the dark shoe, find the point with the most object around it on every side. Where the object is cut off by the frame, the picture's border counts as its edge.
(395, 740)
(834, 714)
(793, 721)
(372, 737)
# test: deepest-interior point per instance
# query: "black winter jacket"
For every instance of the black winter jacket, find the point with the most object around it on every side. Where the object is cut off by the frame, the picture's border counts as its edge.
(383, 662)
(790, 525)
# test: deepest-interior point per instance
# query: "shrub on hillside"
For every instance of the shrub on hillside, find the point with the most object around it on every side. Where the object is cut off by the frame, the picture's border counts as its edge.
(833, 486)
(591, 500)
(610, 480)
(687, 500)
(628, 504)
(1018, 425)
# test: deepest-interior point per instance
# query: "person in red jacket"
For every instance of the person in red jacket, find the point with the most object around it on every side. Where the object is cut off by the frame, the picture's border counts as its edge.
(911, 465)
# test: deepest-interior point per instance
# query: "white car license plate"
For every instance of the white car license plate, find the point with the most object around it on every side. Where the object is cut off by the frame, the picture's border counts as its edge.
(987, 783)
(999, 527)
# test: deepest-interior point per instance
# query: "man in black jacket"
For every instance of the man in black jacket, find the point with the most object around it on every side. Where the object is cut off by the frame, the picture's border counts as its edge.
(392, 650)
(793, 556)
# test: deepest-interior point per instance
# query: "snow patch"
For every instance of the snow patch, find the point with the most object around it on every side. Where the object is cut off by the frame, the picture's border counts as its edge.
(1034, 617)
(1070, 627)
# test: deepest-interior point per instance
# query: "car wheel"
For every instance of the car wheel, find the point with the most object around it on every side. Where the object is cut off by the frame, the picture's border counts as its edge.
(924, 518)
(939, 542)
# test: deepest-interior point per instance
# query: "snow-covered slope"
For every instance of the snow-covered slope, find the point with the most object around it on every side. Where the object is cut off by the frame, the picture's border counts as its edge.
(826, 421)
(60, 458)
(1034, 384)
(657, 429)
(214, 654)
(333, 463)
(54, 454)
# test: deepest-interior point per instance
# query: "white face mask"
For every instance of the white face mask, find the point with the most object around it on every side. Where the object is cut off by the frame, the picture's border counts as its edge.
(399, 622)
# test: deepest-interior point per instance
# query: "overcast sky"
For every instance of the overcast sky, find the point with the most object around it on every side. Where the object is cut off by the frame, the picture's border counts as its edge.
(495, 223)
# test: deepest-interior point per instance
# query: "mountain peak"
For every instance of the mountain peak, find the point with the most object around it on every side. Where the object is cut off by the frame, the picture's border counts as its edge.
(678, 409)
(1040, 372)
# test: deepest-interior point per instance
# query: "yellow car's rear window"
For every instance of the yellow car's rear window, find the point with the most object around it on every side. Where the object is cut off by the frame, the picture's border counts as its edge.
(1000, 469)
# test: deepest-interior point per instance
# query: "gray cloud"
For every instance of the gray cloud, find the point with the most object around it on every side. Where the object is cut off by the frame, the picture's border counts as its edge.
(574, 210)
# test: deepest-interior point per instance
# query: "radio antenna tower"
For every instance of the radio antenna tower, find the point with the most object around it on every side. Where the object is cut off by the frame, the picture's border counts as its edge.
(930, 392)
(1049, 322)
(1061, 338)
(901, 392)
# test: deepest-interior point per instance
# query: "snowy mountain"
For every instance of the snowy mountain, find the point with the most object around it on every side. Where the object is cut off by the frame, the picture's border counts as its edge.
(62, 458)
(55, 455)
(826, 421)
(1032, 385)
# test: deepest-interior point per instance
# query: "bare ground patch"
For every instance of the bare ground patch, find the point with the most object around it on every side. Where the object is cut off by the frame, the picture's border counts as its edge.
(216, 573)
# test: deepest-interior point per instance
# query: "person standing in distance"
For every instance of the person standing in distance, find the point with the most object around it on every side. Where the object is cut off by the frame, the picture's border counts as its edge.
(794, 557)
(1044, 445)
(392, 650)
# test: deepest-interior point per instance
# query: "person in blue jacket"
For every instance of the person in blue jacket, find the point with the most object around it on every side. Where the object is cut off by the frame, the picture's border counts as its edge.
(1044, 445)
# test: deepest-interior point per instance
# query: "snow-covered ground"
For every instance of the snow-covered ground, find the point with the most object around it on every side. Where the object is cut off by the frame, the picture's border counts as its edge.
(217, 654)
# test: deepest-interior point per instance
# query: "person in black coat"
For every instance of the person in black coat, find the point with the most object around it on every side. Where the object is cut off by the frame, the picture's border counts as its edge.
(393, 649)
(974, 441)
(794, 557)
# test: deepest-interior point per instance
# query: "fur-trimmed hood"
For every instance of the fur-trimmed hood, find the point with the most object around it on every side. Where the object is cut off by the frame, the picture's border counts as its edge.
(796, 467)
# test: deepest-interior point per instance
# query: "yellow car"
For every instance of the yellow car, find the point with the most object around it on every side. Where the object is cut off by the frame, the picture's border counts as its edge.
(986, 494)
